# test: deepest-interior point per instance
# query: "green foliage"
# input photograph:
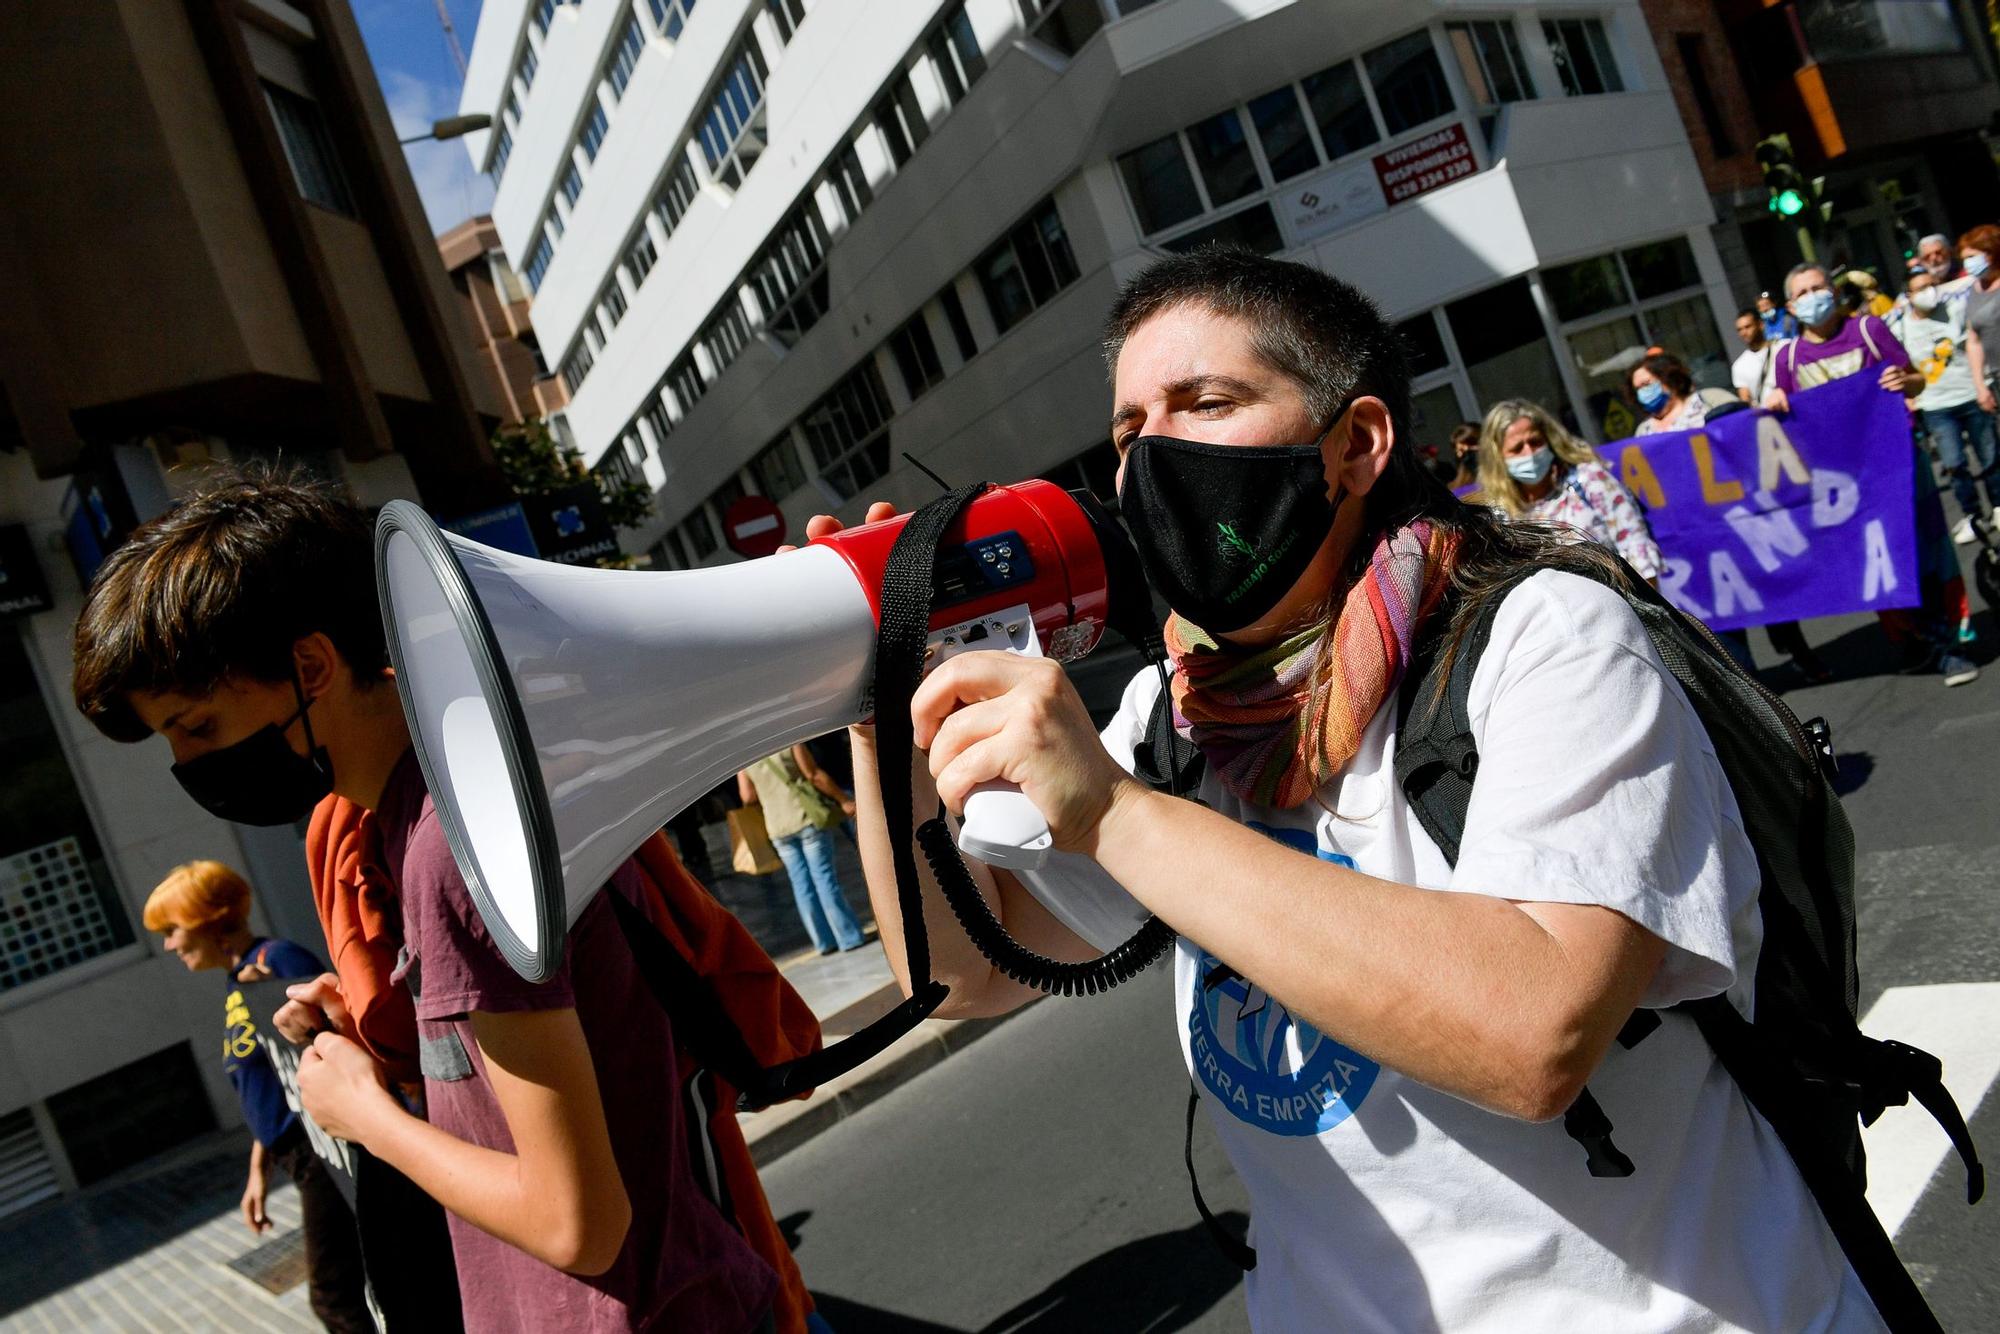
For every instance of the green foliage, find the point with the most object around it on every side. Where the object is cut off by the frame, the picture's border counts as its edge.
(535, 464)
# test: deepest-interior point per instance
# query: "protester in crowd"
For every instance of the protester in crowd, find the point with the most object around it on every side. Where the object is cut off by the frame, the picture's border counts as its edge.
(1465, 452)
(1664, 387)
(802, 806)
(1979, 252)
(1960, 430)
(1832, 346)
(1860, 294)
(242, 625)
(1937, 258)
(1751, 371)
(1531, 467)
(1778, 321)
(203, 911)
(1387, 1046)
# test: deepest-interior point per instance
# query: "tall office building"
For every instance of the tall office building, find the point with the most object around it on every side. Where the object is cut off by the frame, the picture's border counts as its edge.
(777, 246)
(212, 250)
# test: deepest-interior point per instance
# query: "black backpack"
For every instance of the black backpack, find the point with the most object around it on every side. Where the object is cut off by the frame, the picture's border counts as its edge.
(1803, 1063)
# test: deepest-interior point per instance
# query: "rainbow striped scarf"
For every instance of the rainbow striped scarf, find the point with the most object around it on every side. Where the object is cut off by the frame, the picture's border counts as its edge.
(1280, 723)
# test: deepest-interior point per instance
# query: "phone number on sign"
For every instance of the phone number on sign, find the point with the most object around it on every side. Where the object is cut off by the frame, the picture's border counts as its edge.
(1429, 172)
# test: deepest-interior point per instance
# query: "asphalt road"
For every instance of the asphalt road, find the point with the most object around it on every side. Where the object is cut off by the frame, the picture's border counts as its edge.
(1034, 1182)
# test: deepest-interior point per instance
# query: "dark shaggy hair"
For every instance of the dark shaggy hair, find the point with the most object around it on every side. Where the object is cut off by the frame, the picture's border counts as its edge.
(222, 585)
(1328, 338)
(1669, 370)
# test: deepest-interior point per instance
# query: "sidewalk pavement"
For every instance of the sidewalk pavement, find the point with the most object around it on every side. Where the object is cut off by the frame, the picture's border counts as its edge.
(162, 1247)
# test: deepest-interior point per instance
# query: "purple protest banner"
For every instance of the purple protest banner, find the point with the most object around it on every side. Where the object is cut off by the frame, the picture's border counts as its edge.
(1765, 517)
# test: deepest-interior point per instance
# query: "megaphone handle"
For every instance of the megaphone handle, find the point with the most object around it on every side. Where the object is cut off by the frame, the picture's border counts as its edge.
(1002, 827)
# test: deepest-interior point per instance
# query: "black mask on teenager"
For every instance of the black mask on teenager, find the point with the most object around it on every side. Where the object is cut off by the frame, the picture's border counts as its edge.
(261, 780)
(1224, 531)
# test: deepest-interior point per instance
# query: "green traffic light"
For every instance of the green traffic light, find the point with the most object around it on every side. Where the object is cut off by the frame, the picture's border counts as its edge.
(1788, 203)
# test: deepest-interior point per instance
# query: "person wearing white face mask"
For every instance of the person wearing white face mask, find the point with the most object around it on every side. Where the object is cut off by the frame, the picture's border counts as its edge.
(1531, 468)
(1977, 250)
(1933, 333)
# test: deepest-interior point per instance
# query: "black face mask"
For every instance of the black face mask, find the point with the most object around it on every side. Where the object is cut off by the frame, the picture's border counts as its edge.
(261, 780)
(1224, 531)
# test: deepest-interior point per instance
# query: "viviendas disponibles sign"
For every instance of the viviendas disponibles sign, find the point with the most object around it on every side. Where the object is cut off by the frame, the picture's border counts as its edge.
(1767, 517)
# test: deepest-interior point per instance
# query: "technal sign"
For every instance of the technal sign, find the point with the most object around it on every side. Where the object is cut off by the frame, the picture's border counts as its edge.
(1422, 165)
(1332, 200)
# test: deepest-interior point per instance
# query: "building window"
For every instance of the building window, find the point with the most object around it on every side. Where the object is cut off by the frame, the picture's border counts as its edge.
(504, 279)
(671, 16)
(545, 12)
(700, 535)
(309, 149)
(1490, 60)
(625, 56)
(1340, 110)
(726, 334)
(788, 276)
(614, 302)
(1281, 129)
(640, 257)
(961, 328)
(1409, 82)
(503, 148)
(732, 133)
(576, 366)
(1254, 228)
(1694, 66)
(786, 16)
(1583, 57)
(538, 261)
(1222, 151)
(850, 182)
(572, 183)
(685, 382)
(525, 67)
(592, 137)
(1027, 267)
(916, 355)
(776, 468)
(901, 121)
(1871, 29)
(955, 54)
(663, 424)
(848, 431)
(131, 1113)
(1160, 183)
(616, 467)
(1064, 24)
(676, 195)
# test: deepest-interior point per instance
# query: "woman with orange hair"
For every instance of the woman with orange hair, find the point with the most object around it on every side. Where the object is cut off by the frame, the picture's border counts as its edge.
(203, 910)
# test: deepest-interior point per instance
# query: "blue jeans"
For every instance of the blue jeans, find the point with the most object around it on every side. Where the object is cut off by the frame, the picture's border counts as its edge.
(808, 859)
(1966, 447)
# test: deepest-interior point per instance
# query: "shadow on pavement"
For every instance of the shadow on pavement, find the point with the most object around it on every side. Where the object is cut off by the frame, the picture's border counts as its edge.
(1854, 769)
(1158, 1283)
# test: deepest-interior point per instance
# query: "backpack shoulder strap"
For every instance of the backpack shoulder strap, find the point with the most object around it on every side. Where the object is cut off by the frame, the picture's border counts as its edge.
(1165, 760)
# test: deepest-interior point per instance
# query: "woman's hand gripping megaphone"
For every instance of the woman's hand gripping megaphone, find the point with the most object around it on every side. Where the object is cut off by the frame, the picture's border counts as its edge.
(1002, 725)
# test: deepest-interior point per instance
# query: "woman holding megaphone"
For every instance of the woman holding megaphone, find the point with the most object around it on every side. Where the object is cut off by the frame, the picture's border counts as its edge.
(1384, 1034)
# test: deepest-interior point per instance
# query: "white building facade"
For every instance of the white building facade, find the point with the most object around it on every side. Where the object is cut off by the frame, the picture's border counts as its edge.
(782, 247)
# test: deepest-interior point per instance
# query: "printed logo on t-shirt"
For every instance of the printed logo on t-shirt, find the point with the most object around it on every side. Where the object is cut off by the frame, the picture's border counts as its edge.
(1270, 1070)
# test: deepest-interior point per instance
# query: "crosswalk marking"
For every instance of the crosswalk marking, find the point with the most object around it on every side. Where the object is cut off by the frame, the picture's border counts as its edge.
(1959, 1023)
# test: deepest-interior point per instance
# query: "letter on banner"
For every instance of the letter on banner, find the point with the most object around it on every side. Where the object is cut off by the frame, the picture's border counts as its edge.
(1639, 478)
(1835, 498)
(1673, 586)
(1713, 491)
(1878, 576)
(1732, 590)
(1770, 535)
(1776, 454)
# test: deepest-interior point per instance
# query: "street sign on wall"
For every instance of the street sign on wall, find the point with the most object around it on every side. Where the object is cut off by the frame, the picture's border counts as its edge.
(570, 526)
(753, 527)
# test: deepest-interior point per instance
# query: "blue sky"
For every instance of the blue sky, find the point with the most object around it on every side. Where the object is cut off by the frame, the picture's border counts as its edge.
(421, 84)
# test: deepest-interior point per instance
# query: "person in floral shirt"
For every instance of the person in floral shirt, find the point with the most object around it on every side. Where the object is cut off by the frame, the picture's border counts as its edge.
(1531, 468)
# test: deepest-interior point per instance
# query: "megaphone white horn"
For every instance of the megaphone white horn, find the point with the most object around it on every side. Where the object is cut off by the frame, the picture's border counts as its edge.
(563, 715)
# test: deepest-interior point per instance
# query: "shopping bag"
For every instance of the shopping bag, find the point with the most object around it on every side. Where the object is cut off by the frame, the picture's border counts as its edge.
(750, 850)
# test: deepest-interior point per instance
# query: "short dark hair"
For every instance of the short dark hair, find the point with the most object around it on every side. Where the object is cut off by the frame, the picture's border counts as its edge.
(1317, 331)
(1749, 313)
(1465, 433)
(223, 584)
(1669, 370)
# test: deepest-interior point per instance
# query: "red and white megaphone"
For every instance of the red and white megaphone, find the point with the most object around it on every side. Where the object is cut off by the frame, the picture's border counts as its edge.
(563, 715)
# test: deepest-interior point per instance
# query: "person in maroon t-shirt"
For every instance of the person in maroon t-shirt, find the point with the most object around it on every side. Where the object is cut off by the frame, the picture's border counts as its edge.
(242, 626)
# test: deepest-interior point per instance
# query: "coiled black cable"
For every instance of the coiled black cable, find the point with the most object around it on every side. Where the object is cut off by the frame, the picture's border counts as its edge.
(1015, 960)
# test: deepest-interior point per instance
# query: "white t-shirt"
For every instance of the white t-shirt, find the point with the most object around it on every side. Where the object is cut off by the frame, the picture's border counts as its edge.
(1936, 344)
(1752, 370)
(1381, 1204)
